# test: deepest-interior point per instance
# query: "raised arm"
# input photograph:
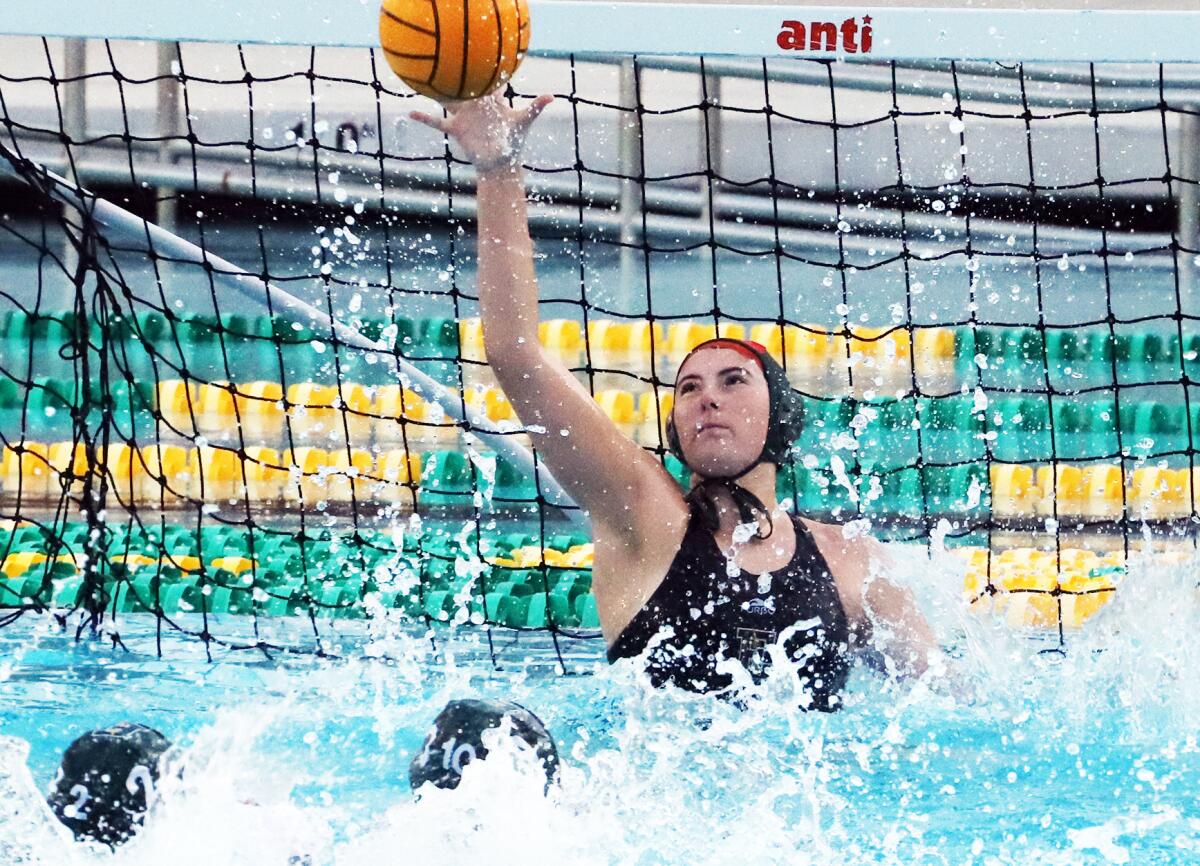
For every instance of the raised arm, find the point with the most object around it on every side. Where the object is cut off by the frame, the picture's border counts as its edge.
(605, 472)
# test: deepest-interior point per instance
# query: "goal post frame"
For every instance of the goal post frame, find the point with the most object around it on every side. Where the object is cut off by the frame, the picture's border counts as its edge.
(590, 26)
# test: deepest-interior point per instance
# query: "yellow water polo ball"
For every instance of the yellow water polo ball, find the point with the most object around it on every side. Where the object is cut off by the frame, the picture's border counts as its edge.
(454, 49)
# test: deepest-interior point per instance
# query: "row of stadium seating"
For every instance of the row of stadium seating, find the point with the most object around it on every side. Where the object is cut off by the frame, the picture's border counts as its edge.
(1033, 588)
(305, 476)
(892, 433)
(221, 569)
(811, 351)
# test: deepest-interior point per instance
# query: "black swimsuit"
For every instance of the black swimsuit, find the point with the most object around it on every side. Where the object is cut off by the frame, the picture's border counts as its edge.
(715, 616)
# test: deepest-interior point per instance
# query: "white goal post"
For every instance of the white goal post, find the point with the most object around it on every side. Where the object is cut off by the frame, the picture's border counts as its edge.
(584, 26)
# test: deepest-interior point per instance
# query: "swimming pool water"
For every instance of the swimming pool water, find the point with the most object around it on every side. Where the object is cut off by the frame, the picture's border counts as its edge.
(1035, 757)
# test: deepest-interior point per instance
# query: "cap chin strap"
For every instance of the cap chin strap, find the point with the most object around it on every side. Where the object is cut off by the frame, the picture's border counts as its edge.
(702, 497)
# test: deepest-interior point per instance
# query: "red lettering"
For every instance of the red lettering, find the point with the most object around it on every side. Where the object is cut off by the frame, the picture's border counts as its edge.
(849, 31)
(791, 37)
(822, 36)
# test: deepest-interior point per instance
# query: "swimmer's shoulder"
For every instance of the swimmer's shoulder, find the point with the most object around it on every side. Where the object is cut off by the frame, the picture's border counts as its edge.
(849, 556)
(629, 567)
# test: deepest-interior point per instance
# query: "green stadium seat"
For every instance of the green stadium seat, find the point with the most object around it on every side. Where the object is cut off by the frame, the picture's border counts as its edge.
(14, 325)
(438, 605)
(585, 609)
(446, 478)
(562, 611)
(439, 338)
(890, 440)
(10, 393)
(947, 488)
(901, 494)
(950, 429)
(512, 484)
(1151, 428)
(677, 470)
(68, 593)
(823, 419)
(1023, 432)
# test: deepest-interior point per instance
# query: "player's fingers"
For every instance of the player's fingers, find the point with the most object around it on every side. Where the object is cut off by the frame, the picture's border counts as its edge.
(438, 123)
(536, 108)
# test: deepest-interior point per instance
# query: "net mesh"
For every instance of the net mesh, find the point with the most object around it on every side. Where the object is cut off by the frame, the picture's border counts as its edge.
(979, 276)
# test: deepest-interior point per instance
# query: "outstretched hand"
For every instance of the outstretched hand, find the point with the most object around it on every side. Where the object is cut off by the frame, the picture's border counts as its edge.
(490, 133)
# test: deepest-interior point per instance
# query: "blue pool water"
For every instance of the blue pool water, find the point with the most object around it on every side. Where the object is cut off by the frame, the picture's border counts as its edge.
(1091, 757)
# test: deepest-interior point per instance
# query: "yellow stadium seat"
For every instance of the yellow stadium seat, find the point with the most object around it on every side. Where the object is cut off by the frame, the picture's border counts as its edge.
(260, 409)
(266, 476)
(134, 560)
(934, 343)
(470, 339)
(935, 357)
(309, 468)
(640, 338)
(1028, 579)
(1085, 585)
(1025, 568)
(405, 416)
(492, 404)
(1078, 609)
(169, 470)
(497, 407)
(606, 339)
(653, 429)
(1159, 494)
(621, 353)
(975, 579)
(394, 472)
(28, 471)
(1065, 495)
(324, 414)
(312, 412)
(127, 472)
(563, 338)
(1014, 493)
(64, 457)
(622, 409)
(176, 404)
(881, 359)
(475, 370)
(1075, 564)
(8, 460)
(682, 337)
(349, 473)
(357, 406)
(215, 417)
(19, 562)
(816, 360)
(579, 556)
(216, 476)
(183, 563)
(232, 564)
(891, 344)
(395, 405)
(1105, 486)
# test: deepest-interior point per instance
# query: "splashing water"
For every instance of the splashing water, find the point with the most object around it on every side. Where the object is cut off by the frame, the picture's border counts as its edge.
(1085, 758)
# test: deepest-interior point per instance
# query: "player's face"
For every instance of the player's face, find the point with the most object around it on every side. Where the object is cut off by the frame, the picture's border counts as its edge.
(722, 411)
